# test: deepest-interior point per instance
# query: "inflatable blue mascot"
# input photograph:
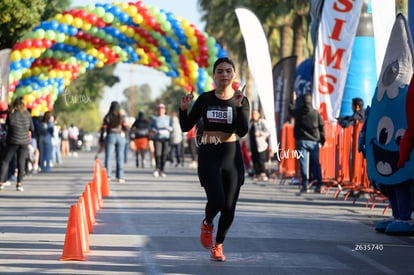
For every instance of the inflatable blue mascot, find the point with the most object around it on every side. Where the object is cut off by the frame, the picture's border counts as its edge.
(384, 128)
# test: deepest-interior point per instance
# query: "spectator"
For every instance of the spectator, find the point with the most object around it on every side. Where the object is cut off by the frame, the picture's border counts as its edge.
(64, 133)
(73, 132)
(160, 130)
(140, 132)
(57, 143)
(176, 141)
(46, 130)
(18, 125)
(113, 138)
(308, 132)
(258, 135)
(358, 113)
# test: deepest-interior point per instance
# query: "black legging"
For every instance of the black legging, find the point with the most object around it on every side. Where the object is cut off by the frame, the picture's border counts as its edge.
(11, 149)
(161, 148)
(221, 173)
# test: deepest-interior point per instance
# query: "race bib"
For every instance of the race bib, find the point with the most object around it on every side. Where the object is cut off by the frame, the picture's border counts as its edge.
(220, 114)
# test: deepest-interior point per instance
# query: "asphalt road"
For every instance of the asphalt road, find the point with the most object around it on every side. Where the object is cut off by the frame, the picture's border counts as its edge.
(152, 225)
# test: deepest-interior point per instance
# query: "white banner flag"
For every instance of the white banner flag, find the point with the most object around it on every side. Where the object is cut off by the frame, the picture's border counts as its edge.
(336, 33)
(383, 18)
(260, 65)
(4, 74)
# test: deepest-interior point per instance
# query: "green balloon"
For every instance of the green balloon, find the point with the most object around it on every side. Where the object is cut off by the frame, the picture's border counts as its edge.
(93, 30)
(50, 35)
(60, 37)
(211, 42)
(49, 53)
(99, 11)
(39, 34)
(108, 17)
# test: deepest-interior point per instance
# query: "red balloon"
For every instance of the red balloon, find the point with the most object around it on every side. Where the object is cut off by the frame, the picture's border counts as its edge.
(92, 18)
(37, 43)
(235, 85)
(83, 14)
(47, 43)
(12, 87)
(17, 46)
(27, 43)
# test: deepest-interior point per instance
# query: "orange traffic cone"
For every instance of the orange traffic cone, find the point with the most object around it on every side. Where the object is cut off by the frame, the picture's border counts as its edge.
(94, 196)
(96, 182)
(72, 248)
(83, 225)
(91, 202)
(90, 219)
(105, 185)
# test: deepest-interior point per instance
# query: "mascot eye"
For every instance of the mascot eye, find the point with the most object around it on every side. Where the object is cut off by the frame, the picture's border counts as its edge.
(398, 135)
(390, 73)
(385, 130)
(389, 76)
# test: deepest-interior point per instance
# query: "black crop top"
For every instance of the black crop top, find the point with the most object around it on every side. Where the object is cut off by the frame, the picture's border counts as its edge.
(217, 114)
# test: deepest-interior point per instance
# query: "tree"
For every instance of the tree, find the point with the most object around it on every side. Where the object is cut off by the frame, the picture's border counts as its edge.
(19, 16)
(138, 99)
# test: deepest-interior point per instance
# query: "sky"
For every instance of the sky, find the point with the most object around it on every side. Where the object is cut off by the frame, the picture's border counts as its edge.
(137, 74)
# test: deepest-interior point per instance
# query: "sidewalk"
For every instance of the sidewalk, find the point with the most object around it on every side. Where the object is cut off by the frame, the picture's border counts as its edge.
(152, 225)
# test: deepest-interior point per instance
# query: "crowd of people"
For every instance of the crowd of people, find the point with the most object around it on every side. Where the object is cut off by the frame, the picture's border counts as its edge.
(32, 144)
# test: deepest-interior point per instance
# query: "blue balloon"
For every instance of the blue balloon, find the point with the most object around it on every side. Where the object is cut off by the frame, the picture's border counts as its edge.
(63, 28)
(15, 65)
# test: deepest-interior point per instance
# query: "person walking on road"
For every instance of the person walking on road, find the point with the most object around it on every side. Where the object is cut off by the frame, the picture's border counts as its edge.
(140, 131)
(308, 132)
(113, 137)
(18, 124)
(225, 115)
(160, 130)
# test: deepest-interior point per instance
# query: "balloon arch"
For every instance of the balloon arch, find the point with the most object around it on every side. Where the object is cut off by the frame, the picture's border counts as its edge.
(55, 52)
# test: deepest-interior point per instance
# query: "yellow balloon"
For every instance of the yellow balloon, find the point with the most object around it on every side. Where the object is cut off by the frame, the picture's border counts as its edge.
(58, 17)
(100, 64)
(27, 73)
(66, 82)
(36, 52)
(86, 26)
(26, 53)
(192, 41)
(73, 41)
(36, 71)
(43, 107)
(68, 19)
(67, 74)
(132, 10)
(189, 31)
(77, 22)
(137, 19)
(129, 32)
(15, 56)
(122, 28)
(124, 6)
(52, 74)
(82, 44)
(59, 74)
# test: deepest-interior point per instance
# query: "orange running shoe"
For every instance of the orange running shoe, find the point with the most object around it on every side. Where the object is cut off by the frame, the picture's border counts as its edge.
(217, 253)
(206, 236)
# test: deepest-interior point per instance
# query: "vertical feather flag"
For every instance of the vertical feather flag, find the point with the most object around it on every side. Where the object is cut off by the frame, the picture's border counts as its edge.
(260, 65)
(4, 73)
